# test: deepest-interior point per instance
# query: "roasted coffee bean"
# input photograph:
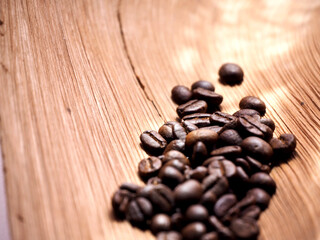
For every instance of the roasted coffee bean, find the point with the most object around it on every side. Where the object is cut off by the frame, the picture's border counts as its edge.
(269, 122)
(257, 148)
(264, 181)
(199, 173)
(234, 124)
(160, 223)
(248, 112)
(251, 211)
(189, 127)
(188, 193)
(210, 236)
(153, 142)
(198, 119)
(214, 188)
(160, 196)
(208, 137)
(174, 154)
(253, 103)
(207, 162)
(166, 130)
(223, 231)
(192, 106)
(177, 221)
(217, 129)
(177, 164)
(244, 164)
(196, 213)
(221, 118)
(253, 127)
(203, 84)
(222, 168)
(230, 74)
(193, 231)
(223, 204)
(228, 152)
(171, 235)
(170, 176)
(284, 146)
(199, 153)
(245, 228)
(262, 198)
(149, 167)
(230, 137)
(120, 202)
(180, 94)
(154, 181)
(212, 98)
(130, 187)
(138, 211)
(179, 131)
(256, 166)
(178, 145)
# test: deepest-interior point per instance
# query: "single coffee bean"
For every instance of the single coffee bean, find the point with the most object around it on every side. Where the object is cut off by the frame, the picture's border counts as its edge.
(198, 119)
(166, 130)
(170, 176)
(199, 173)
(176, 164)
(189, 127)
(120, 202)
(153, 142)
(203, 84)
(285, 145)
(210, 97)
(192, 106)
(131, 187)
(262, 198)
(149, 167)
(221, 118)
(248, 112)
(244, 165)
(245, 228)
(251, 211)
(263, 181)
(171, 235)
(269, 122)
(138, 211)
(188, 193)
(251, 126)
(257, 148)
(199, 153)
(196, 213)
(253, 103)
(223, 231)
(193, 231)
(230, 74)
(180, 94)
(208, 137)
(229, 152)
(178, 145)
(214, 188)
(223, 204)
(160, 222)
(217, 129)
(256, 166)
(210, 236)
(174, 154)
(222, 168)
(230, 137)
(177, 221)
(179, 131)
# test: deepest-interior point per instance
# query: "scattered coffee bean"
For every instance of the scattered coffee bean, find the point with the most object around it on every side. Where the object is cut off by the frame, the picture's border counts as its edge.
(193, 106)
(160, 223)
(230, 137)
(138, 211)
(181, 94)
(252, 211)
(193, 231)
(199, 173)
(223, 204)
(212, 98)
(255, 103)
(149, 167)
(245, 111)
(253, 127)
(171, 235)
(221, 118)
(199, 153)
(203, 84)
(223, 231)
(171, 176)
(245, 228)
(166, 130)
(120, 202)
(284, 146)
(198, 119)
(262, 198)
(179, 131)
(197, 213)
(269, 122)
(178, 145)
(264, 181)
(153, 142)
(228, 152)
(208, 137)
(188, 126)
(230, 74)
(257, 148)
(188, 193)
(174, 154)
(215, 128)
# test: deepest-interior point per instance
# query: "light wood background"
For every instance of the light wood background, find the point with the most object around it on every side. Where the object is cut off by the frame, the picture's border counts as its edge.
(80, 80)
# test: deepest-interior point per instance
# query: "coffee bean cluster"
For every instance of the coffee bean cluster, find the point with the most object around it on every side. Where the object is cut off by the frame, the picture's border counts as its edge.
(207, 174)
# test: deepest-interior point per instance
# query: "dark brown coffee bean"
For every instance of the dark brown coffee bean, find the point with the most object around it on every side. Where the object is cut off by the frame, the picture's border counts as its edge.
(199, 153)
(251, 211)
(221, 118)
(176, 164)
(256, 166)
(149, 167)
(257, 148)
(171, 235)
(263, 181)
(198, 119)
(262, 198)
(223, 204)
(230, 74)
(208, 137)
(138, 211)
(193, 231)
(170, 176)
(174, 154)
(196, 213)
(180, 94)
(179, 131)
(178, 145)
(192, 106)
(207, 162)
(285, 145)
(245, 228)
(214, 188)
(131, 187)
(223, 231)
(189, 127)
(253, 103)
(166, 130)
(244, 164)
(199, 173)
(228, 152)
(249, 112)
(222, 168)
(160, 223)
(253, 127)
(212, 98)
(203, 84)
(188, 193)
(177, 221)
(230, 137)
(210, 236)
(217, 129)
(160, 196)
(269, 122)
(153, 142)
(120, 202)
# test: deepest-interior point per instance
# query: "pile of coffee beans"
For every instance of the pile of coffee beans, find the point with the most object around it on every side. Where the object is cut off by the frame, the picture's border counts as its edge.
(207, 174)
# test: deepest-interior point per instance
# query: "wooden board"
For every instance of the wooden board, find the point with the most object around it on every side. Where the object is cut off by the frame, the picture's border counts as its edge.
(80, 80)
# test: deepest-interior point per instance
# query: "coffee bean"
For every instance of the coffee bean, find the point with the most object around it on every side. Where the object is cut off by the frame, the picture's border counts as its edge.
(120, 202)
(198, 119)
(222, 168)
(230, 137)
(199, 173)
(177, 221)
(230, 74)
(199, 153)
(149, 167)
(180, 94)
(269, 122)
(188, 193)
(179, 131)
(130, 187)
(138, 211)
(262, 198)
(245, 111)
(253, 103)
(251, 211)
(253, 127)
(210, 236)
(256, 166)
(245, 228)
(160, 196)
(203, 84)
(171, 235)
(257, 148)
(284, 146)
(214, 188)
(160, 222)
(208, 137)
(192, 106)
(188, 126)
(166, 130)
(170, 176)
(212, 98)
(264, 181)
(153, 142)
(197, 213)
(223, 204)
(207, 162)
(223, 232)
(229, 152)
(174, 154)
(221, 118)
(244, 164)
(193, 231)
(178, 145)
(215, 128)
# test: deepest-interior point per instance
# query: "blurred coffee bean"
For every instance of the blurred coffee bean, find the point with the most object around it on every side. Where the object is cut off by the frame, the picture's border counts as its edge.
(208, 137)
(221, 118)
(245, 111)
(160, 223)
(262, 198)
(131, 187)
(223, 231)
(216, 128)
(180, 94)
(174, 154)
(178, 145)
(199, 173)
(251, 211)
(170, 176)
(284, 146)
(193, 231)
(210, 236)
(207, 162)
(257, 148)
(269, 122)
(179, 131)
(171, 235)
(212, 98)
(203, 84)
(222, 168)
(257, 166)
(198, 119)
(149, 167)
(192, 106)
(177, 221)
(253, 127)
(196, 213)
(166, 130)
(120, 202)
(230, 137)
(230, 74)
(227, 152)
(213, 189)
(244, 165)
(253, 103)
(154, 181)
(177, 164)
(138, 211)
(153, 142)
(263, 181)
(199, 153)
(223, 204)
(245, 228)
(188, 193)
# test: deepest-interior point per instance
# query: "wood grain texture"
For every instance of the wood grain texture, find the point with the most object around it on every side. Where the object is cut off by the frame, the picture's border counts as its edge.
(80, 80)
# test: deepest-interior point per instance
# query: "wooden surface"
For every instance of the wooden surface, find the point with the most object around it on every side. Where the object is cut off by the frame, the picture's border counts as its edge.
(80, 80)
